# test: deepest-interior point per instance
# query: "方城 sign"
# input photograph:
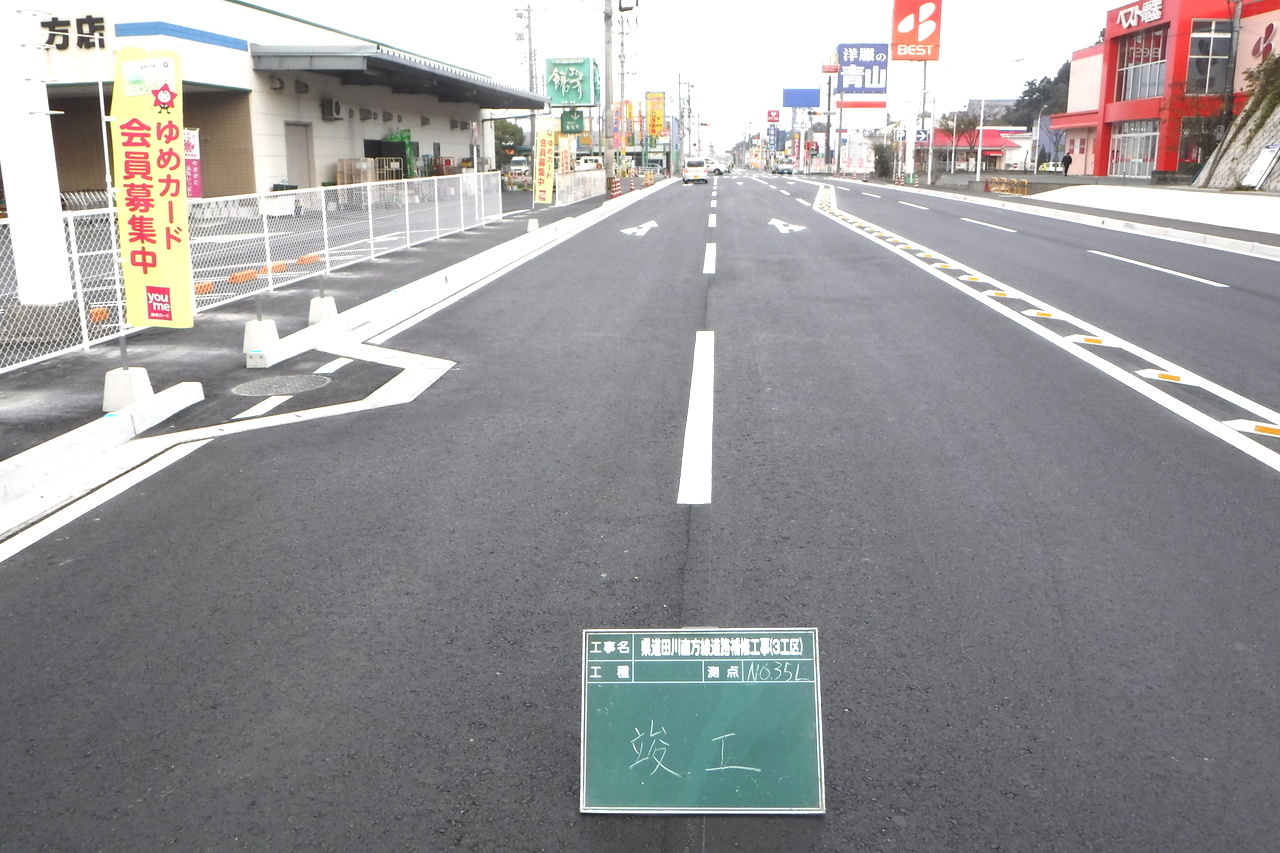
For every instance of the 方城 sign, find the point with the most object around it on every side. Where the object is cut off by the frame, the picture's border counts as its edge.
(701, 721)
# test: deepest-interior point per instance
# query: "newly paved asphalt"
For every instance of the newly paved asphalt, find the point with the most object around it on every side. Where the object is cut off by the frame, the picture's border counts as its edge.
(1045, 595)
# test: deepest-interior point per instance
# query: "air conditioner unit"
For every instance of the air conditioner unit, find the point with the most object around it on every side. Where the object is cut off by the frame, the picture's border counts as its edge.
(331, 109)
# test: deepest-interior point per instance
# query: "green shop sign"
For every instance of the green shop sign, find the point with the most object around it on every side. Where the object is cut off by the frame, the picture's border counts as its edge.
(573, 121)
(573, 83)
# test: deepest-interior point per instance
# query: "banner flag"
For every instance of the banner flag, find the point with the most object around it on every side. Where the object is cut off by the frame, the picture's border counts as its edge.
(150, 188)
(656, 105)
(544, 167)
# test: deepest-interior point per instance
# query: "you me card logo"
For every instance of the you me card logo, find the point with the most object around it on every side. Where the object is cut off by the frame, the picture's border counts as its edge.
(917, 29)
(159, 303)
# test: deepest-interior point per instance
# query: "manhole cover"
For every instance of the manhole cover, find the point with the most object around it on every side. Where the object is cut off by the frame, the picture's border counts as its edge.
(274, 386)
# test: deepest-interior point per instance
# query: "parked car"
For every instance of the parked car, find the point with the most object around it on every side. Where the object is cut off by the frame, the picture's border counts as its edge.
(694, 170)
(1051, 167)
(519, 166)
(716, 167)
(589, 163)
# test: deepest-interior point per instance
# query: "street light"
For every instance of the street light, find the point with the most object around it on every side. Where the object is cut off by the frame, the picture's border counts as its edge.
(1036, 167)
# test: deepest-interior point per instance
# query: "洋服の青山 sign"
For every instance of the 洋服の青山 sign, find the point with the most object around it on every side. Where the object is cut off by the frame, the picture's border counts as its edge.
(917, 29)
(864, 69)
(151, 191)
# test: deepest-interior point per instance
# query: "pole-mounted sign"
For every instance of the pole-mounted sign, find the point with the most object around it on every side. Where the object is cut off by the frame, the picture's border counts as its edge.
(917, 30)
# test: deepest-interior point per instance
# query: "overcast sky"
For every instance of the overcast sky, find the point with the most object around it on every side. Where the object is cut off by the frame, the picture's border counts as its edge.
(739, 56)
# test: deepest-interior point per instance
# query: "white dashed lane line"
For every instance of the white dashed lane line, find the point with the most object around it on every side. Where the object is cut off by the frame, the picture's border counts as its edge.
(1158, 269)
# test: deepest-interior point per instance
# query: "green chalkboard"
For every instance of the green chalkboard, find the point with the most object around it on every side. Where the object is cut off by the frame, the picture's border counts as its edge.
(701, 721)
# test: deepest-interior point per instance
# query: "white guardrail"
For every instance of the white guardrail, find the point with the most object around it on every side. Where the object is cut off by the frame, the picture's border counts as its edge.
(241, 246)
(579, 186)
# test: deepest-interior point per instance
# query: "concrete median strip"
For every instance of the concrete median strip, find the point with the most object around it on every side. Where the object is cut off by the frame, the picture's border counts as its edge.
(32, 476)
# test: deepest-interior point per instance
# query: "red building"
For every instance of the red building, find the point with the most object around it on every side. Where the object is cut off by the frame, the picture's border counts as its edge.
(1154, 95)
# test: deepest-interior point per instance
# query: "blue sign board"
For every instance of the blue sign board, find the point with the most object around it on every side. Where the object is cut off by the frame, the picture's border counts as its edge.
(864, 69)
(801, 98)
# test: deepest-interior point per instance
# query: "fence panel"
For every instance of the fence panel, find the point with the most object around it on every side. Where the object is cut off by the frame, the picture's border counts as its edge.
(241, 246)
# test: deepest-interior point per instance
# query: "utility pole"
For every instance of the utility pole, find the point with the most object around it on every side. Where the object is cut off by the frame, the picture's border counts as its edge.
(527, 13)
(607, 132)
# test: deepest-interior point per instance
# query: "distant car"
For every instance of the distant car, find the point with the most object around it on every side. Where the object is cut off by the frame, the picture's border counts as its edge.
(785, 166)
(518, 166)
(718, 168)
(694, 170)
(1051, 167)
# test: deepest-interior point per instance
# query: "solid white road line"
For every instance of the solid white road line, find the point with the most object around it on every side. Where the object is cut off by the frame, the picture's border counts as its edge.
(1159, 269)
(709, 260)
(695, 464)
(333, 366)
(263, 407)
(92, 501)
(987, 224)
(1146, 388)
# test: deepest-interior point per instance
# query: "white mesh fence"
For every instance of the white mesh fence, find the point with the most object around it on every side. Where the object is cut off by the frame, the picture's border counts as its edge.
(241, 246)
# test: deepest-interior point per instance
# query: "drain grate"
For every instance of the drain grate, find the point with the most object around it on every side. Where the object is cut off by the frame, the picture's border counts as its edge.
(275, 386)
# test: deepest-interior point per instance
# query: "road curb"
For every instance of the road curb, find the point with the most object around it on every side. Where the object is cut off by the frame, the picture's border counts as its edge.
(28, 472)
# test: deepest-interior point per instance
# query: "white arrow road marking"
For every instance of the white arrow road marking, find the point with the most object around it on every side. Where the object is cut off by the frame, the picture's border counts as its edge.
(640, 230)
(785, 227)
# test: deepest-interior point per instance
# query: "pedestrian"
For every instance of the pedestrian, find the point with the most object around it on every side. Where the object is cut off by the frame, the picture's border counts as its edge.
(1066, 163)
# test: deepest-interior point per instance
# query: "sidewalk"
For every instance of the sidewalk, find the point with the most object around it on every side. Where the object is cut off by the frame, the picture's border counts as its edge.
(1245, 216)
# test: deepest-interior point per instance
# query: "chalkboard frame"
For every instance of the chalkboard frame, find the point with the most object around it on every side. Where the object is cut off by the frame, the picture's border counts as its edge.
(681, 708)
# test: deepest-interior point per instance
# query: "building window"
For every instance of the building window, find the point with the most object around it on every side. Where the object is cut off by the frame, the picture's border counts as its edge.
(1140, 66)
(1209, 57)
(1133, 148)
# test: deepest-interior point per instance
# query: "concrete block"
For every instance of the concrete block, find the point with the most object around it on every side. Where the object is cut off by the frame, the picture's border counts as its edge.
(124, 387)
(322, 308)
(260, 335)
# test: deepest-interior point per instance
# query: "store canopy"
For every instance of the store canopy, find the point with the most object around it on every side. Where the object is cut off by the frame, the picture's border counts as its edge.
(992, 140)
(404, 73)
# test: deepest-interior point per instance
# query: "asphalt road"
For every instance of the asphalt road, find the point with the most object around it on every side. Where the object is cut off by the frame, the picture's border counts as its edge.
(1045, 596)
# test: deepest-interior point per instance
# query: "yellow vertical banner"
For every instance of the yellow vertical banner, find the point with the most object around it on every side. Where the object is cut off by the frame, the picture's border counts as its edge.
(150, 188)
(656, 106)
(544, 167)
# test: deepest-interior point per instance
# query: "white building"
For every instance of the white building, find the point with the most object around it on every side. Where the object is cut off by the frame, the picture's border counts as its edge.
(276, 100)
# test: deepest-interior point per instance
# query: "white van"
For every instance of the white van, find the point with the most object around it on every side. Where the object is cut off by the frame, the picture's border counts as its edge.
(589, 163)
